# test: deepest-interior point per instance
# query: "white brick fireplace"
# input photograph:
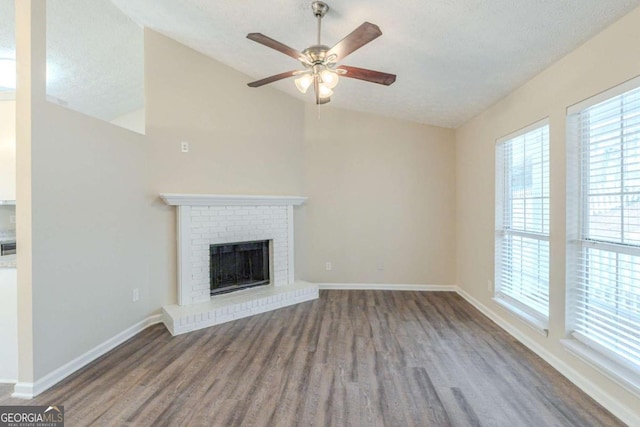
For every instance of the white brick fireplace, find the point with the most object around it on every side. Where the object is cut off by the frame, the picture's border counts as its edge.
(205, 220)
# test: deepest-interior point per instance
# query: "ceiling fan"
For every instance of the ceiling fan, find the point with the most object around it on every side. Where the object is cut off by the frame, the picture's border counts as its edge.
(320, 61)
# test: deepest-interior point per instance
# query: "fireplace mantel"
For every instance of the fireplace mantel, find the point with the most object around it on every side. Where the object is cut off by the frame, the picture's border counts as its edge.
(172, 199)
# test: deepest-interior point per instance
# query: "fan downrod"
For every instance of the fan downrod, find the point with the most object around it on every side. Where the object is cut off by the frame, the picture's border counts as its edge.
(319, 8)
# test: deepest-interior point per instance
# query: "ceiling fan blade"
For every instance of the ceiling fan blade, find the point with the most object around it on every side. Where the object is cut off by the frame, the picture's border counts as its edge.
(355, 40)
(368, 75)
(272, 79)
(274, 44)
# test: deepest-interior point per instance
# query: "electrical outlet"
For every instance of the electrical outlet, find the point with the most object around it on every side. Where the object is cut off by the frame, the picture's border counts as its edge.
(136, 294)
(489, 285)
(184, 146)
(328, 266)
(12, 219)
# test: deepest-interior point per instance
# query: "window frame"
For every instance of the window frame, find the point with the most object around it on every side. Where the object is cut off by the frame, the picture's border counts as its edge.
(532, 317)
(612, 365)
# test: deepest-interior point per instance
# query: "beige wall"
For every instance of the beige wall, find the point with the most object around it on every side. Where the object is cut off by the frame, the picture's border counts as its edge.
(133, 120)
(7, 150)
(242, 140)
(608, 59)
(381, 203)
(90, 234)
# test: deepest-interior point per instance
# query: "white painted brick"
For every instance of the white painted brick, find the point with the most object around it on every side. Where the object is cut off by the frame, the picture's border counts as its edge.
(226, 224)
(223, 319)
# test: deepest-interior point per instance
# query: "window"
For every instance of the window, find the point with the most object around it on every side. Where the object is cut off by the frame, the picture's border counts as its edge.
(603, 227)
(522, 223)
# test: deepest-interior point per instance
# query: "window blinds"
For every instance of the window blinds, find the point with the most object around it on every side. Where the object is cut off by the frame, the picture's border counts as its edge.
(522, 220)
(605, 283)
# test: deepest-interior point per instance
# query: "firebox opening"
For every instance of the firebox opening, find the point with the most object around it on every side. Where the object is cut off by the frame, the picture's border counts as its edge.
(235, 266)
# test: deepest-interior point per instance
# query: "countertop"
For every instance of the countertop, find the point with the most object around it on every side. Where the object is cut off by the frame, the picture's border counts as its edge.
(8, 261)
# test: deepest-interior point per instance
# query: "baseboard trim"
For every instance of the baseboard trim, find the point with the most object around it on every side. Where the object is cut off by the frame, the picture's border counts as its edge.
(23, 391)
(386, 287)
(31, 390)
(7, 381)
(605, 399)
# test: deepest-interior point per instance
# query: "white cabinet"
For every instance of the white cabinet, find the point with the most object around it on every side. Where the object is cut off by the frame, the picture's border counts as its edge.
(8, 325)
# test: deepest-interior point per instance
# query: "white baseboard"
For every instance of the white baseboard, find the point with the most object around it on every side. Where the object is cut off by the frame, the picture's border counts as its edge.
(23, 391)
(621, 411)
(386, 287)
(6, 381)
(31, 390)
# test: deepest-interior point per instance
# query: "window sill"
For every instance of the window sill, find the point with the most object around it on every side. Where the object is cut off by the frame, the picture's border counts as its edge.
(536, 324)
(623, 376)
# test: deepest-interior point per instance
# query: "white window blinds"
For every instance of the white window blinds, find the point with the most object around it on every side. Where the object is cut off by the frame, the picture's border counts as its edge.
(604, 275)
(522, 220)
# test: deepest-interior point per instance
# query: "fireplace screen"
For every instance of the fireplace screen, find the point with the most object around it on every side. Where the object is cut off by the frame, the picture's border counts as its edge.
(236, 266)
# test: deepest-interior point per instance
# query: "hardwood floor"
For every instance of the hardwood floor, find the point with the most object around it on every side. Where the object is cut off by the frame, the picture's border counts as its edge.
(351, 358)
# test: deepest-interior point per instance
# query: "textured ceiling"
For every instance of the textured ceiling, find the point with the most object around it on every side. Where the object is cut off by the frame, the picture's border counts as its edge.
(95, 58)
(453, 58)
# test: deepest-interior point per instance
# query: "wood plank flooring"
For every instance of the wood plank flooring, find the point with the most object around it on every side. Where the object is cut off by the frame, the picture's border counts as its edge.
(351, 358)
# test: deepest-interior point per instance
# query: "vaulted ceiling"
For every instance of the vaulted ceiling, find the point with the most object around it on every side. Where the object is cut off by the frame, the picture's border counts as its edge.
(453, 58)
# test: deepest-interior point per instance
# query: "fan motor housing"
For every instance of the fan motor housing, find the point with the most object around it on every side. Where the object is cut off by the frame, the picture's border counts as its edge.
(316, 53)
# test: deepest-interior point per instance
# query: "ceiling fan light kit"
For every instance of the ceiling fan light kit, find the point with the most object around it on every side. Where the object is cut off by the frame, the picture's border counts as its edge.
(320, 62)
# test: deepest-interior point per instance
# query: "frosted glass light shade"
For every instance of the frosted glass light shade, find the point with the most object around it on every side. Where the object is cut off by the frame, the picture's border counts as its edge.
(303, 82)
(329, 78)
(324, 91)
